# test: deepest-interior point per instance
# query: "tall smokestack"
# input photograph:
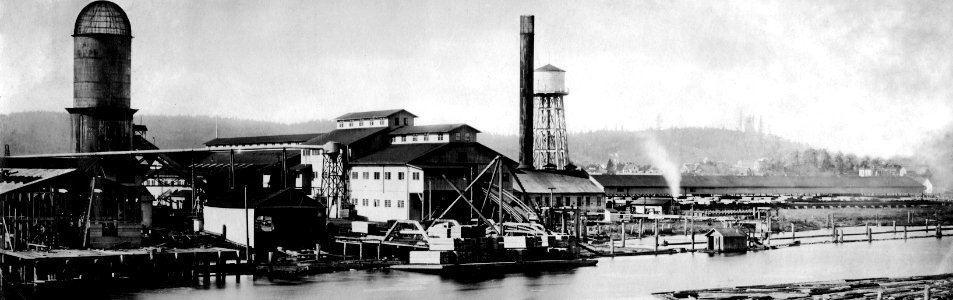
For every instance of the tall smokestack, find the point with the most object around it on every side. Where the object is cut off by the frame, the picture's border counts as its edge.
(526, 92)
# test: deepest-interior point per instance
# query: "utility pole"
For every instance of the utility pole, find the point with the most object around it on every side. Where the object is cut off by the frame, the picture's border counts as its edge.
(247, 234)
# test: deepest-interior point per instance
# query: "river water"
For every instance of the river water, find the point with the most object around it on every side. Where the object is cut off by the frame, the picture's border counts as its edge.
(613, 278)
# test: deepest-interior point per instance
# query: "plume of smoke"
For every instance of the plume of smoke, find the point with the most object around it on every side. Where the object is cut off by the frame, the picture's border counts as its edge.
(937, 153)
(660, 159)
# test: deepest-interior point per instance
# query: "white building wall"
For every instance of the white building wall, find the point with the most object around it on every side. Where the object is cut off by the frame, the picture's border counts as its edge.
(383, 189)
(232, 218)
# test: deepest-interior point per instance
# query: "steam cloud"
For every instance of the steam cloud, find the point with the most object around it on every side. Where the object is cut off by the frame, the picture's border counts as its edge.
(937, 153)
(664, 163)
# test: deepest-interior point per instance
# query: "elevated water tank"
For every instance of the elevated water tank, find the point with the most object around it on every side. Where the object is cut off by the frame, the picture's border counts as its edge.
(549, 80)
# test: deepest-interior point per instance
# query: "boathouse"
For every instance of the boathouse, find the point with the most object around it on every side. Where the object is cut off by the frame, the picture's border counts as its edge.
(727, 240)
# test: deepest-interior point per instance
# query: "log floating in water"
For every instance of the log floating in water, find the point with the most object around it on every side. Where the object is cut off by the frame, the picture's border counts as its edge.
(937, 286)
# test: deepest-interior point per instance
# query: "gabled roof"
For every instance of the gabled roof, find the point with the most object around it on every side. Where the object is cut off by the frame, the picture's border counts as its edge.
(549, 68)
(345, 136)
(440, 128)
(539, 182)
(759, 181)
(264, 139)
(726, 232)
(15, 178)
(397, 154)
(372, 114)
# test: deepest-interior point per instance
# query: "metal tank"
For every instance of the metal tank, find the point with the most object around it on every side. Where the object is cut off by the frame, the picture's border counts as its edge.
(101, 115)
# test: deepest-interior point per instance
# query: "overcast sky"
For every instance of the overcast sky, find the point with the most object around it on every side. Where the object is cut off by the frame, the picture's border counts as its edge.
(869, 77)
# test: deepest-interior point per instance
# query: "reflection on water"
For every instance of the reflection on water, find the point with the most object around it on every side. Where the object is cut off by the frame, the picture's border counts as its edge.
(613, 278)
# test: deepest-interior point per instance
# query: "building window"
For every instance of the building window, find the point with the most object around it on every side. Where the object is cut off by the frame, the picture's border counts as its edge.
(426, 137)
(377, 175)
(386, 203)
(559, 201)
(414, 138)
(537, 199)
(405, 122)
(546, 201)
(366, 175)
(340, 124)
(587, 201)
(599, 201)
(377, 202)
(364, 202)
(403, 138)
(350, 123)
(467, 137)
(400, 175)
(360, 123)
(439, 136)
(353, 175)
(395, 139)
(456, 136)
(416, 176)
(386, 175)
(400, 203)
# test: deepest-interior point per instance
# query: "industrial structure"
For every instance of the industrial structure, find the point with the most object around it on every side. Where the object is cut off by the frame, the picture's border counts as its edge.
(101, 113)
(550, 145)
(526, 93)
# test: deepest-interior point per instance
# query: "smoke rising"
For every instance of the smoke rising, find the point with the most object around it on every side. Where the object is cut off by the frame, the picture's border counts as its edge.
(937, 154)
(660, 159)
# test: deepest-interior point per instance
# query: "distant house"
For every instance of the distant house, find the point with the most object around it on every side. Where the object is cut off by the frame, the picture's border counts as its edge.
(727, 240)
(652, 205)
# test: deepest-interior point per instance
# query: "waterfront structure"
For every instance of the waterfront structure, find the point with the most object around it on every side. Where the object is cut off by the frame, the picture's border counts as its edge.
(285, 218)
(413, 181)
(646, 185)
(550, 145)
(560, 190)
(727, 240)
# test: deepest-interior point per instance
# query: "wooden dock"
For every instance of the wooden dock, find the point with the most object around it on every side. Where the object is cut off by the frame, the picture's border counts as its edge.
(509, 266)
(916, 287)
(32, 268)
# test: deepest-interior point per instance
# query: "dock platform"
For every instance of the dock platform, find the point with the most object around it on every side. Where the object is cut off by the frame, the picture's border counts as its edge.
(462, 269)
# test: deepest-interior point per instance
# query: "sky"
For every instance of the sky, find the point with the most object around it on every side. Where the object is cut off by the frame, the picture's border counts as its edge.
(866, 77)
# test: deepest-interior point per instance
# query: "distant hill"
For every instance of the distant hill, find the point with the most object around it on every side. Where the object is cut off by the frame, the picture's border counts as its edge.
(682, 144)
(48, 132)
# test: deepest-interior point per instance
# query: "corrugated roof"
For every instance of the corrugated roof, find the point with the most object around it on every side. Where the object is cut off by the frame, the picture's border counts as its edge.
(244, 159)
(727, 232)
(15, 178)
(371, 114)
(539, 182)
(264, 139)
(440, 128)
(345, 136)
(758, 181)
(397, 154)
(549, 68)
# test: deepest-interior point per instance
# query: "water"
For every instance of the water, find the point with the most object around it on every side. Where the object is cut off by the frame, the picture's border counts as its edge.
(613, 278)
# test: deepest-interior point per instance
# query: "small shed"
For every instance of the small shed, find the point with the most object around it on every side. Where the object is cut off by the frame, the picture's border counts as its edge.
(727, 240)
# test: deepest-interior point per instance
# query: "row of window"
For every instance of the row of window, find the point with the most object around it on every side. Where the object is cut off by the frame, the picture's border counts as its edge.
(426, 137)
(379, 121)
(569, 201)
(377, 203)
(387, 175)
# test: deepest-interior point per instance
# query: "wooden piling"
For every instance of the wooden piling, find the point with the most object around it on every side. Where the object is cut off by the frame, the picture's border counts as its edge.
(611, 245)
(870, 235)
(641, 231)
(904, 231)
(623, 235)
(894, 227)
(792, 233)
(656, 236)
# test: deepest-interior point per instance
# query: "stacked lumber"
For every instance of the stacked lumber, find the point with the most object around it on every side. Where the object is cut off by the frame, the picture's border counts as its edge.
(522, 242)
(432, 257)
(917, 287)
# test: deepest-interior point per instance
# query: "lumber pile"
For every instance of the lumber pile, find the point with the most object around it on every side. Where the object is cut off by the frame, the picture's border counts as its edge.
(908, 288)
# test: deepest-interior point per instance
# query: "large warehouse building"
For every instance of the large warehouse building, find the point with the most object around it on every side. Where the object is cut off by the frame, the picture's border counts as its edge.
(643, 185)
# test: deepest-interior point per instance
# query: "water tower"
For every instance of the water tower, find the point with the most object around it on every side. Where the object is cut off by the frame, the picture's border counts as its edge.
(550, 146)
(101, 116)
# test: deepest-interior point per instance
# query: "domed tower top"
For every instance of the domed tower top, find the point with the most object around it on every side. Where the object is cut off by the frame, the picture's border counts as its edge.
(102, 17)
